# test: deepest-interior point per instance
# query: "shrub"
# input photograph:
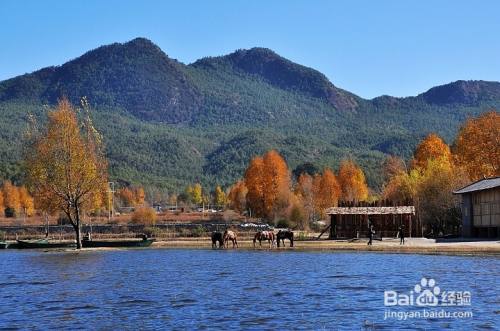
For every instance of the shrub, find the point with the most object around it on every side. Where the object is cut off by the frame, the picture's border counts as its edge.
(144, 215)
(198, 231)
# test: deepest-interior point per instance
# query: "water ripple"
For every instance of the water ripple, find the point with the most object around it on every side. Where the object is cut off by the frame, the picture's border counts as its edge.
(204, 289)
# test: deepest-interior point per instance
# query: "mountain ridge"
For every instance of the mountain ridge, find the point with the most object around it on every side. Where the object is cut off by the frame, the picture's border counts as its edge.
(168, 123)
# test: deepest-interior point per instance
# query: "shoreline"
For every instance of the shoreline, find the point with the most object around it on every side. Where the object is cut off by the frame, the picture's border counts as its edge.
(413, 246)
(387, 245)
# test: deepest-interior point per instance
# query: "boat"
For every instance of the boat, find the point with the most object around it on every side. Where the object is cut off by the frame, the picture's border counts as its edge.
(4, 245)
(117, 243)
(43, 243)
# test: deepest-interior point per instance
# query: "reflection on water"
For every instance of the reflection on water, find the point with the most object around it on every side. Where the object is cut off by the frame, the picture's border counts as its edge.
(203, 289)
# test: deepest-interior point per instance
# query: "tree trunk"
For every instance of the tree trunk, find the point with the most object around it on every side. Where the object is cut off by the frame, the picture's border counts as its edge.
(78, 236)
(78, 229)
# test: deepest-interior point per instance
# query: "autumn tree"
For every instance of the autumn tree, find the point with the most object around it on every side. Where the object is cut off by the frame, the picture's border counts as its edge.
(393, 166)
(11, 197)
(127, 196)
(254, 184)
(304, 191)
(326, 190)
(2, 206)
(237, 196)
(277, 184)
(477, 146)
(267, 180)
(437, 206)
(352, 182)
(140, 196)
(399, 185)
(296, 213)
(220, 197)
(144, 215)
(432, 147)
(195, 193)
(66, 168)
(402, 187)
(27, 201)
(429, 184)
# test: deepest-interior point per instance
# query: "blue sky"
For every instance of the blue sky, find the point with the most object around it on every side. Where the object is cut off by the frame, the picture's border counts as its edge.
(371, 48)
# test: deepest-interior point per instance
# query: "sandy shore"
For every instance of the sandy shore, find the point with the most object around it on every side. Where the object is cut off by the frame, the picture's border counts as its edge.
(387, 245)
(412, 245)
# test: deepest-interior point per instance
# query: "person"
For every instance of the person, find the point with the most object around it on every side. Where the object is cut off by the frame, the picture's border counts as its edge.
(371, 232)
(401, 234)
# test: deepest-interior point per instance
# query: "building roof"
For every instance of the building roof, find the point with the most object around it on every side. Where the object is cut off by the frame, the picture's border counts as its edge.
(394, 210)
(480, 185)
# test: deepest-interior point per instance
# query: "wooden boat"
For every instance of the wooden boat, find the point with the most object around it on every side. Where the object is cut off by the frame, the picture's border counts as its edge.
(43, 243)
(117, 243)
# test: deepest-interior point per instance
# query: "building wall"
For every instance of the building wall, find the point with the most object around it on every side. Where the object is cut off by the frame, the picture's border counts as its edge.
(466, 215)
(486, 208)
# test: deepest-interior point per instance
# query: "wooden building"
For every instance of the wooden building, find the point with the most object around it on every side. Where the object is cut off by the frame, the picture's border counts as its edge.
(481, 208)
(353, 221)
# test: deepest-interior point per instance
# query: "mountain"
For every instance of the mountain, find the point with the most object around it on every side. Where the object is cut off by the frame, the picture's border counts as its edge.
(284, 74)
(136, 75)
(167, 124)
(463, 92)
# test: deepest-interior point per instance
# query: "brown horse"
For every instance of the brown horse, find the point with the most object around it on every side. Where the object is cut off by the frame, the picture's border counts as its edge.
(230, 235)
(264, 235)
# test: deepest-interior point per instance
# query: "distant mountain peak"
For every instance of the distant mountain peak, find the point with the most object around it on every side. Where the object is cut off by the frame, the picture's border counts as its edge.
(289, 75)
(137, 76)
(463, 92)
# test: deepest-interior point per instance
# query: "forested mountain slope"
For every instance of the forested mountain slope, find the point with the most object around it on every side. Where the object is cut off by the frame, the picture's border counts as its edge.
(168, 124)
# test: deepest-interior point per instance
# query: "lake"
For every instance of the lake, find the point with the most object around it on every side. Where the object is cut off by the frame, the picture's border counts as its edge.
(235, 289)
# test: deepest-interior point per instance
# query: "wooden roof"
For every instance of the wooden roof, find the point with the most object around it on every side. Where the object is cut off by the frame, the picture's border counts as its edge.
(392, 210)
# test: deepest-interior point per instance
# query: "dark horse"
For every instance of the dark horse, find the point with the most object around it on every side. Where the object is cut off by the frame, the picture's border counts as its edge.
(282, 235)
(217, 237)
(230, 235)
(264, 235)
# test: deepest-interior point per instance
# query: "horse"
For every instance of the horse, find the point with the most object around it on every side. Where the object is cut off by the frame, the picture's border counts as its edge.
(230, 235)
(282, 235)
(217, 237)
(264, 235)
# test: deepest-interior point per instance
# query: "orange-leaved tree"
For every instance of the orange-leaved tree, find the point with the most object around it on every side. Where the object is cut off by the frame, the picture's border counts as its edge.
(127, 196)
(326, 190)
(140, 196)
(352, 181)
(276, 183)
(432, 147)
(66, 167)
(254, 184)
(477, 146)
(11, 199)
(267, 180)
(237, 196)
(2, 207)
(304, 190)
(27, 201)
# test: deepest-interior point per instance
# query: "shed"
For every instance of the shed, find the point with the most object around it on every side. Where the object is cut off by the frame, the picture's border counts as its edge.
(481, 208)
(354, 221)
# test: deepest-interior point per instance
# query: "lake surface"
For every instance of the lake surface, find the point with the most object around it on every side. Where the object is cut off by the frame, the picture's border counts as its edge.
(204, 289)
